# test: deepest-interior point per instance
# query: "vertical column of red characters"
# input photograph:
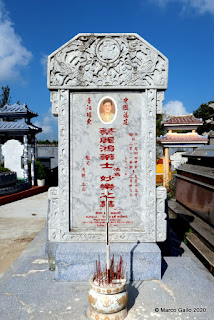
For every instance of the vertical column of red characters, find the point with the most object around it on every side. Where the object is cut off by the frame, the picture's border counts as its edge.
(107, 156)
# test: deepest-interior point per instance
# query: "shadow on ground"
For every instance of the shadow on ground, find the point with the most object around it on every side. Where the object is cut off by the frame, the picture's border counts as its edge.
(172, 246)
(133, 292)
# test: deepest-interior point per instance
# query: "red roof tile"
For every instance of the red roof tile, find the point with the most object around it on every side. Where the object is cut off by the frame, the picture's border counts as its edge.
(182, 138)
(189, 119)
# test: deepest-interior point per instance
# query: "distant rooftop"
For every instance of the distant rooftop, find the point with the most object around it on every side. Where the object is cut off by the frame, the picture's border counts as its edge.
(17, 111)
(203, 152)
(182, 138)
(18, 126)
(183, 120)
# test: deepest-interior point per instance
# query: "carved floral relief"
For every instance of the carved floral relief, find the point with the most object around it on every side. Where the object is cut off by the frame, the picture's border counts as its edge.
(112, 61)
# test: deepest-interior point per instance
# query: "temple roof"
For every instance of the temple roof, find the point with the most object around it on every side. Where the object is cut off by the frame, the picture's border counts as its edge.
(17, 111)
(19, 126)
(183, 120)
(183, 138)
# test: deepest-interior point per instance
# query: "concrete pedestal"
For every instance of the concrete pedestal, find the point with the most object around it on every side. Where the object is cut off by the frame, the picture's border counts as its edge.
(76, 261)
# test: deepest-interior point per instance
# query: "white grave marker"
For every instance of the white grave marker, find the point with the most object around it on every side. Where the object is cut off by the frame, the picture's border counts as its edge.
(106, 90)
(12, 151)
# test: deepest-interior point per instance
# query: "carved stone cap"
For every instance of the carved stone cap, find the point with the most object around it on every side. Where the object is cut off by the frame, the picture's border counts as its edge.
(107, 61)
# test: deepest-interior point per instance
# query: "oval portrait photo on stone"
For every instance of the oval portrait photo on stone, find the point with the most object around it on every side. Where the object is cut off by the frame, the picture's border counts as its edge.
(107, 110)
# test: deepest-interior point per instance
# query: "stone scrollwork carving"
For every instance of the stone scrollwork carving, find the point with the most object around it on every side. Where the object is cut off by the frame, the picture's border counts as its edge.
(96, 237)
(107, 60)
(160, 98)
(55, 102)
(53, 215)
(151, 165)
(161, 214)
(63, 160)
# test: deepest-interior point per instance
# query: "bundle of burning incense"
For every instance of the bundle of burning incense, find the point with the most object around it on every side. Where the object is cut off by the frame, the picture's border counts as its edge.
(104, 277)
(111, 272)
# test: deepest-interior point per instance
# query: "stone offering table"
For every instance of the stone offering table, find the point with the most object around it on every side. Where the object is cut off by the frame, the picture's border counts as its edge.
(106, 90)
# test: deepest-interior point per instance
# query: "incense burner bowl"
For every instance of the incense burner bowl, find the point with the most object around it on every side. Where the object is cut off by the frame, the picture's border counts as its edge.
(108, 302)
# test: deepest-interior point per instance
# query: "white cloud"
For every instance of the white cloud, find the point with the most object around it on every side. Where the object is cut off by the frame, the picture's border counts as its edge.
(175, 108)
(200, 6)
(13, 54)
(49, 125)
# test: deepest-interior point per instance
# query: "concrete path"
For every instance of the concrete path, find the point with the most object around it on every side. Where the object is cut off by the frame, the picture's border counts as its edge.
(20, 222)
(28, 290)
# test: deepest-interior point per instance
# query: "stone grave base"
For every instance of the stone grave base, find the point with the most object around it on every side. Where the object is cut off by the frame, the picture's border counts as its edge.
(76, 261)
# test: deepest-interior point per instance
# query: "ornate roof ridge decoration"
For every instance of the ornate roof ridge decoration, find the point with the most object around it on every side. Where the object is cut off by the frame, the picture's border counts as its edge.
(15, 108)
(107, 61)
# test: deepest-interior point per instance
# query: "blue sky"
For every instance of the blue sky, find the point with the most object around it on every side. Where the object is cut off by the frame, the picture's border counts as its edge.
(183, 30)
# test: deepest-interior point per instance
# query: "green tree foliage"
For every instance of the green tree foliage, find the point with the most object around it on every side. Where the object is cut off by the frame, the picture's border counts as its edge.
(159, 131)
(54, 142)
(5, 97)
(159, 128)
(204, 112)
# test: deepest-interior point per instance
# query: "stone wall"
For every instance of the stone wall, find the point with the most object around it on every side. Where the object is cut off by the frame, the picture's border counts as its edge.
(48, 151)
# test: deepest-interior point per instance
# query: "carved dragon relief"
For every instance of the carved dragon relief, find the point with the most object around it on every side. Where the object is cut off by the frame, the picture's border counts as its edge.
(107, 61)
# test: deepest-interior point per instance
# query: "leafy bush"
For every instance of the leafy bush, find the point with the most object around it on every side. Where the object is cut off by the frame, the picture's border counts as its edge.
(40, 170)
(41, 173)
(3, 169)
(171, 190)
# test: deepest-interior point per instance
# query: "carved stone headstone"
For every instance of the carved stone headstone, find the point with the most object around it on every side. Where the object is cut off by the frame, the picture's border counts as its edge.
(177, 159)
(106, 90)
(12, 151)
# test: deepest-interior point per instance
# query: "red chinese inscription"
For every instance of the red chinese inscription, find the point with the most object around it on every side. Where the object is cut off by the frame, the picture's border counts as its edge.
(88, 111)
(125, 111)
(133, 165)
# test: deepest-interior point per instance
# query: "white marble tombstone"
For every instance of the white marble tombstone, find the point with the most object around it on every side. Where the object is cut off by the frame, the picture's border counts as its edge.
(177, 159)
(98, 152)
(12, 151)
